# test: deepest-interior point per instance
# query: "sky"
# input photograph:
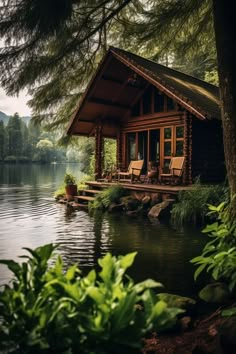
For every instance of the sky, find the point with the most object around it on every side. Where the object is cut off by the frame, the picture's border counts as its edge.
(12, 104)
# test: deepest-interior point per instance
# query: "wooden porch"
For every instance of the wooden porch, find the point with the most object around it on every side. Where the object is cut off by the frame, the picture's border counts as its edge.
(162, 192)
(142, 187)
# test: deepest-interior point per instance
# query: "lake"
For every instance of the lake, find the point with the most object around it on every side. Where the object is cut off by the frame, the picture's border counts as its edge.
(30, 217)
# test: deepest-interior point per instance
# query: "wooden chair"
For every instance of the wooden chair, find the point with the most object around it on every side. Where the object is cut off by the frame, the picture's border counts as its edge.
(133, 172)
(175, 171)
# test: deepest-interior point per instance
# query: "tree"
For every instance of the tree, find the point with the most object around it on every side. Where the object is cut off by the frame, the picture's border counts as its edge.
(2, 141)
(226, 53)
(44, 151)
(15, 141)
(80, 31)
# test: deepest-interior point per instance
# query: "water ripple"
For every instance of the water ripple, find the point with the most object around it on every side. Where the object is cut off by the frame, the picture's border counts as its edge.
(29, 217)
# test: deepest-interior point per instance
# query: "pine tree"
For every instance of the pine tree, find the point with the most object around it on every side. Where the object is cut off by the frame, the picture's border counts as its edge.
(15, 140)
(2, 141)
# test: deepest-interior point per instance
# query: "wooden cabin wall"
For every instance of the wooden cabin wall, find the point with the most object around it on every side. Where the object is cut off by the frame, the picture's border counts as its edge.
(207, 151)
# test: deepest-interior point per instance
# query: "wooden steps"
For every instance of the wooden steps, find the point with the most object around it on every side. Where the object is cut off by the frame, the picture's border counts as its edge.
(86, 198)
(89, 191)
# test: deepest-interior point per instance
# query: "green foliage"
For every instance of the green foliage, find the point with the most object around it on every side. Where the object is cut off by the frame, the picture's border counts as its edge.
(69, 179)
(59, 192)
(191, 206)
(219, 255)
(81, 182)
(106, 197)
(39, 47)
(48, 310)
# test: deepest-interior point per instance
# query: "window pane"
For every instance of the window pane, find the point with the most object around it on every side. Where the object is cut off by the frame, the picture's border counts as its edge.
(166, 165)
(167, 133)
(147, 106)
(170, 104)
(136, 110)
(179, 148)
(131, 144)
(158, 101)
(167, 148)
(180, 132)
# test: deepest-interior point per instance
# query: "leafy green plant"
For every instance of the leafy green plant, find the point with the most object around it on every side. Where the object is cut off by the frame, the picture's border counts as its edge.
(48, 310)
(191, 206)
(108, 196)
(81, 181)
(69, 179)
(219, 255)
(59, 192)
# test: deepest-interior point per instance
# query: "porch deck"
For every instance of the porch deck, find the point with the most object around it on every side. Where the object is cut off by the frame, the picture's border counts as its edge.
(142, 187)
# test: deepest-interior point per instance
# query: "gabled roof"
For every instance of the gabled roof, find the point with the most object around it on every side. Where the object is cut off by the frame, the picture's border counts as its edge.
(199, 94)
(109, 95)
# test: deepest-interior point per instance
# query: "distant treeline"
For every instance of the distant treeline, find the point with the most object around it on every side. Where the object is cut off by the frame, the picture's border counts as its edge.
(29, 143)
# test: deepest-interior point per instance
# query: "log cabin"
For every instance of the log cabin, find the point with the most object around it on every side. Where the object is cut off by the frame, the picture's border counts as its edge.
(154, 112)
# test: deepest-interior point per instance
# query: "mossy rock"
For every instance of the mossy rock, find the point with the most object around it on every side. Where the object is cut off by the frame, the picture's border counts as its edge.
(130, 203)
(182, 302)
(215, 293)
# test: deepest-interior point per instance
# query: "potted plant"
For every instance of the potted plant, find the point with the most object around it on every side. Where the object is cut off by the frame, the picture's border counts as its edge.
(70, 185)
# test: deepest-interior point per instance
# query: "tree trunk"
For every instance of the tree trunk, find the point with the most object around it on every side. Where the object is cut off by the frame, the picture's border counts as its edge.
(224, 23)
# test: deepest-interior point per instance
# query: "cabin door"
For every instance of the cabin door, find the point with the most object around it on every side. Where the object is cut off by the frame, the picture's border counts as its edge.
(154, 145)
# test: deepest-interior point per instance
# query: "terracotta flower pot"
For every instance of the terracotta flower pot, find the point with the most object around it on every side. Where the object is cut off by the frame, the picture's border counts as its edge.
(71, 191)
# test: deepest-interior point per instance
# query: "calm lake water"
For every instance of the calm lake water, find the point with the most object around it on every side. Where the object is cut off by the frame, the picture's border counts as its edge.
(29, 217)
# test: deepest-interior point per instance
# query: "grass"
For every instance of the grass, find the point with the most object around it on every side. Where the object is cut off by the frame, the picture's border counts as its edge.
(192, 206)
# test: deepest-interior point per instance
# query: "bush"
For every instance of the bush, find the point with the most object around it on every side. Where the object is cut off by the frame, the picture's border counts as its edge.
(104, 199)
(10, 158)
(191, 206)
(219, 255)
(47, 310)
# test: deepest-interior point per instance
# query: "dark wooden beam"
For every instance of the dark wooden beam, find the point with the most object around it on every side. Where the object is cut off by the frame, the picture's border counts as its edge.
(107, 103)
(113, 79)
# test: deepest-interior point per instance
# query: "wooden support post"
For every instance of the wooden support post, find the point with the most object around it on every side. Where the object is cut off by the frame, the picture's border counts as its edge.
(187, 174)
(99, 147)
(190, 140)
(119, 148)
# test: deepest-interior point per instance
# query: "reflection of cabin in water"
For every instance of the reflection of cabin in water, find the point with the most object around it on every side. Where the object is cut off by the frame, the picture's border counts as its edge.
(155, 113)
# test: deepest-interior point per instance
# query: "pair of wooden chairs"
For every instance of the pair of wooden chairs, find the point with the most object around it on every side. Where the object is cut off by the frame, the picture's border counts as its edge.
(133, 173)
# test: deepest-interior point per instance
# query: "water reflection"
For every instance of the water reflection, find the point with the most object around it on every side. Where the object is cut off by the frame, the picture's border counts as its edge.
(29, 217)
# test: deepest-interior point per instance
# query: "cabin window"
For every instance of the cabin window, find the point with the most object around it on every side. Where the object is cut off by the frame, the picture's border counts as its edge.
(179, 140)
(180, 132)
(167, 148)
(179, 148)
(131, 146)
(136, 110)
(170, 104)
(158, 101)
(147, 101)
(172, 143)
(167, 133)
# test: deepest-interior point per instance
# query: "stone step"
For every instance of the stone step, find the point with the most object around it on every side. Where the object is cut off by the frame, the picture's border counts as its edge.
(84, 198)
